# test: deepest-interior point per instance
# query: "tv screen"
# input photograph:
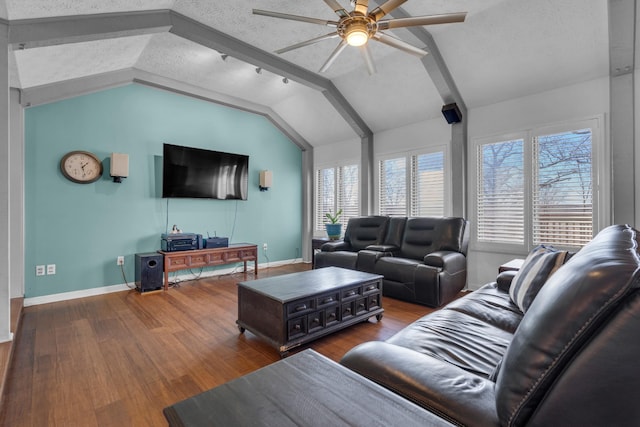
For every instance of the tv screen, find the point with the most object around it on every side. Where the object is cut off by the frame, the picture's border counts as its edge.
(198, 173)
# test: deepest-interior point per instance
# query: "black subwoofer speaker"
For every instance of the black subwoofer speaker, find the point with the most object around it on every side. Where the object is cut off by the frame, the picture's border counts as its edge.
(149, 269)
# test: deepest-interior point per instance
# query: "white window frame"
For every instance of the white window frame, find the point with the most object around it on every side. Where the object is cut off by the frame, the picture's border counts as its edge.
(407, 155)
(600, 178)
(319, 228)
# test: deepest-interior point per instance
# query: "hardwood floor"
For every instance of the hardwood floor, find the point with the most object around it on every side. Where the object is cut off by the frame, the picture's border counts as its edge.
(119, 359)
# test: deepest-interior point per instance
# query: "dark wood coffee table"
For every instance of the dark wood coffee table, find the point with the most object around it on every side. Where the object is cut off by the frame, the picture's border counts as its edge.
(306, 389)
(293, 309)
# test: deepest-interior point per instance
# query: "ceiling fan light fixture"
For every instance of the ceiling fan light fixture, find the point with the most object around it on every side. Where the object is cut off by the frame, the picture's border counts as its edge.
(357, 37)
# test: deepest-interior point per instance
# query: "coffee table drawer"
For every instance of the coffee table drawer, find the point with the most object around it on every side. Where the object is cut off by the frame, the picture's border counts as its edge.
(297, 328)
(360, 306)
(368, 288)
(299, 307)
(332, 315)
(328, 300)
(350, 293)
(373, 302)
(315, 321)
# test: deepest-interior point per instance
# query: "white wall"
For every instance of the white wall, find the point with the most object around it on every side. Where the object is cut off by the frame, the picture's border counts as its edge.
(344, 152)
(411, 137)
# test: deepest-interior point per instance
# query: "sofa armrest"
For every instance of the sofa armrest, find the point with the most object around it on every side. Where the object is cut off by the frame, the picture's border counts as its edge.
(390, 249)
(444, 389)
(449, 261)
(335, 245)
(367, 260)
(504, 280)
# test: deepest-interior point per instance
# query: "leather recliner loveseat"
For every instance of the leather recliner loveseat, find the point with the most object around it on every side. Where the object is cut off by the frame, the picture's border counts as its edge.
(568, 357)
(422, 259)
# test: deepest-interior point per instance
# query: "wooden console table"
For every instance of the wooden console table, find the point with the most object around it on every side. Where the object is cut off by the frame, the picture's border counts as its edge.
(183, 260)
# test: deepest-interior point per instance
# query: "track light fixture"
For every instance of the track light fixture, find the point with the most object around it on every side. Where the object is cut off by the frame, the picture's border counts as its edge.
(224, 56)
(259, 70)
(285, 80)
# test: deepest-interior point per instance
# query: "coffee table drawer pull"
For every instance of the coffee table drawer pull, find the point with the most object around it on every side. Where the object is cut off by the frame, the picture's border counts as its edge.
(328, 300)
(350, 293)
(371, 288)
(301, 307)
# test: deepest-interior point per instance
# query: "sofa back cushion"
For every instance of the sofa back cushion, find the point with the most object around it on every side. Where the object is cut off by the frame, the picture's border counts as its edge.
(366, 230)
(424, 235)
(565, 324)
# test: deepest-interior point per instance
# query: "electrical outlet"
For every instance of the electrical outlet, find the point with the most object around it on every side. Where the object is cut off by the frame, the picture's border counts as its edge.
(264, 246)
(40, 270)
(120, 260)
(51, 269)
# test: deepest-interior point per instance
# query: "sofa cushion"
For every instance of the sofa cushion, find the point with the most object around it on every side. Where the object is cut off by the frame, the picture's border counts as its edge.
(365, 231)
(539, 265)
(424, 235)
(458, 339)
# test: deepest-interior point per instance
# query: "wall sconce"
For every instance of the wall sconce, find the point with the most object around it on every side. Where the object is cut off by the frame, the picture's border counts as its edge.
(266, 179)
(119, 166)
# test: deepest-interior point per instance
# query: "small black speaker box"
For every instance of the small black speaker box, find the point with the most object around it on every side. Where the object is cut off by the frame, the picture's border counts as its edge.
(149, 271)
(451, 113)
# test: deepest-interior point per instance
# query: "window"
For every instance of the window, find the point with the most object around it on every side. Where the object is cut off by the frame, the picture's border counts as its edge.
(413, 185)
(562, 188)
(537, 188)
(337, 188)
(500, 201)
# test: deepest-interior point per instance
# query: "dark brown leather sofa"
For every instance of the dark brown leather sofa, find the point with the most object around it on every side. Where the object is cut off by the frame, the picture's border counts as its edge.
(570, 360)
(422, 259)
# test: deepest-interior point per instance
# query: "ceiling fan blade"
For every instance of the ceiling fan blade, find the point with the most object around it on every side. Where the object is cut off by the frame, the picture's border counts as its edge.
(339, 10)
(307, 43)
(368, 59)
(399, 44)
(385, 8)
(361, 7)
(448, 18)
(333, 56)
(295, 17)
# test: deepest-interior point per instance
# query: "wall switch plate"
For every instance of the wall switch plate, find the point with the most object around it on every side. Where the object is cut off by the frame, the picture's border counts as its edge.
(51, 269)
(264, 246)
(120, 260)
(40, 270)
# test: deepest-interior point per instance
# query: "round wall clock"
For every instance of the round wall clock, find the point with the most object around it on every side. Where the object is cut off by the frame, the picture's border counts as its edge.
(81, 167)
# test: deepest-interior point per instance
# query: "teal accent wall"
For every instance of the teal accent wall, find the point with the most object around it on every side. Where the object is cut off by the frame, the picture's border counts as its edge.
(82, 228)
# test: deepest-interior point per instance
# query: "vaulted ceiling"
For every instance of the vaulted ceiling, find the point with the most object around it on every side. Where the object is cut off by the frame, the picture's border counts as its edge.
(505, 49)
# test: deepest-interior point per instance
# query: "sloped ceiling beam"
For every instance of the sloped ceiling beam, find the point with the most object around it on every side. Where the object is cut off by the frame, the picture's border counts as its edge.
(439, 73)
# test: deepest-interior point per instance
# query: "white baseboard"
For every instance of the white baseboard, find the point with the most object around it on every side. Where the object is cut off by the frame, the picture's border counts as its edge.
(65, 296)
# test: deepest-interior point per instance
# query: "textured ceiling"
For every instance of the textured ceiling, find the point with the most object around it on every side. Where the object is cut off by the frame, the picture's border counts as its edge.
(505, 49)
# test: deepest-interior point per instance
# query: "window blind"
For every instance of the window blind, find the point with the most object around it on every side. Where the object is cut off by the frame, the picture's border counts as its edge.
(348, 192)
(392, 192)
(500, 192)
(427, 190)
(325, 195)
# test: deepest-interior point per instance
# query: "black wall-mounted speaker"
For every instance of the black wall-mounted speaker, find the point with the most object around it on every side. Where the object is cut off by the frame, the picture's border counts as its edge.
(452, 113)
(149, 271)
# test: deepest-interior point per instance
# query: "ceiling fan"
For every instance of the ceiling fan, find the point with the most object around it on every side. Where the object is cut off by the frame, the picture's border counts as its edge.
(357, 27)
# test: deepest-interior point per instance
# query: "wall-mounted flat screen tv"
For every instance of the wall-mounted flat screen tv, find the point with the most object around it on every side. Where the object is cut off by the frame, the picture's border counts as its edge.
(198, 173)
